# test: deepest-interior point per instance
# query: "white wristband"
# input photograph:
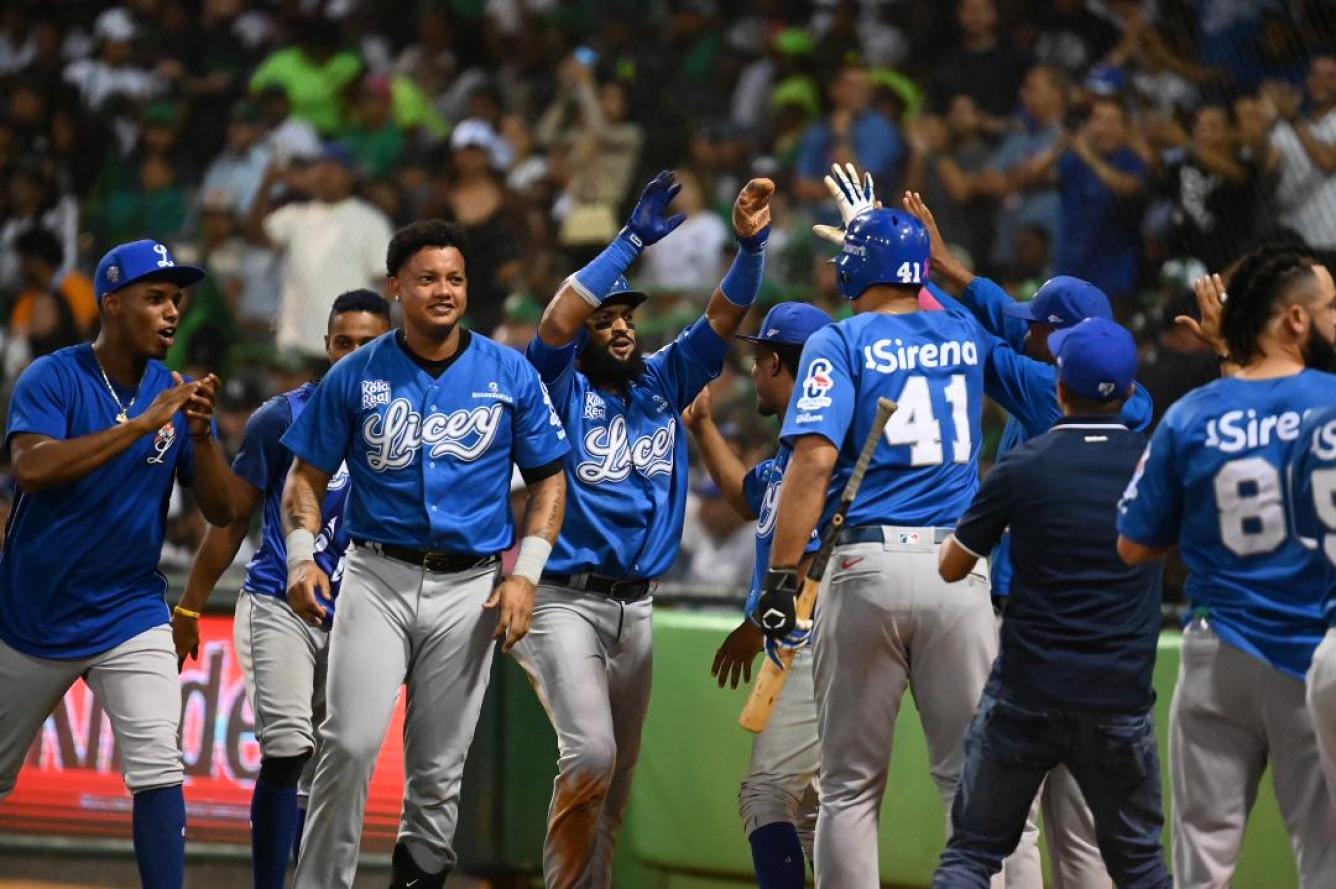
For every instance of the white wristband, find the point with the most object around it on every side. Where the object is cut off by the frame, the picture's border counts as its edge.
(301, 547)
(534, 552)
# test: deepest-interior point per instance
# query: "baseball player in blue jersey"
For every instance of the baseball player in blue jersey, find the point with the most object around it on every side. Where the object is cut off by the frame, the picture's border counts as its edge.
(99, 433)
(778, 797)
(885, 618)
(588, 654)
(283, 657)
(1210, 482)
(428, 421)
(1022, 378)
(1313, 505)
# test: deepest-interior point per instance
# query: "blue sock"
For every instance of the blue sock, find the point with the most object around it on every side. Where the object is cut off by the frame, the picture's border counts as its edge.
(778, 856)
(160, 837)
(297, 835)
(273, 830)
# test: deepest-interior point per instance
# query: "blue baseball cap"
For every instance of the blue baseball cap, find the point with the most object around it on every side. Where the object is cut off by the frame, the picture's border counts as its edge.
(1097, 359)
(789, 323)
(623, 294)
(125, 264)
(1062, 302)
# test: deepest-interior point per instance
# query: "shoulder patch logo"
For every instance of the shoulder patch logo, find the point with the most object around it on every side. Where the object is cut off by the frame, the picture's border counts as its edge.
(816, 386)
(375, 393)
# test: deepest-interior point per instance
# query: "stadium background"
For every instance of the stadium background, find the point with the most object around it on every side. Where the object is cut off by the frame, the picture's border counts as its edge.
(533, 123)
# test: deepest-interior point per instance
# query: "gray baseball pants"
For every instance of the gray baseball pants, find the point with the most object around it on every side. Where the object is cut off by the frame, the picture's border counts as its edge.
(1322, 705)
(886, 621)
(1231, 715)
(136, 684)
(589, 658)
(398, 624)
(781, 783)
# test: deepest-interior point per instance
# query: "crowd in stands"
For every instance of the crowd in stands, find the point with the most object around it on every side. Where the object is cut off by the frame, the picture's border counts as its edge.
(1135, 143)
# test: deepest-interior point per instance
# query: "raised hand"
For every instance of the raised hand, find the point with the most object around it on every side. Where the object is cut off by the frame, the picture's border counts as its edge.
(700, 411)
(167, 403)
(944, 262)
(751, 211)
(852, 197)
(647, 223)
(1210, 293)
(199, 408)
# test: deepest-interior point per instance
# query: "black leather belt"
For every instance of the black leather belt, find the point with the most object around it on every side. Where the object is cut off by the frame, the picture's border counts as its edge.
(885, 534)
(434, 561)
(619, 590)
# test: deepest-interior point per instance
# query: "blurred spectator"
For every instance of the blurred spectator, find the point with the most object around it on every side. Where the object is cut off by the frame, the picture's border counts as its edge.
(155, 204)
(1176, 361)
(1163, 77)
(520, 314)
(1023, 197)
(1306, 147)
(18, 43)
(112, 73)
(51, 326)
(290, 138)
(947, 159)
(718, 547)
(1071, 36)
(528, 169)
(239, 168)
(246, 275)
(1212, 185)
(1101, 180)
(35, 201)
(594, 151)
(333, 242)
(853, 133)
(373, 136)
(41, 258)
(692, 260)
(313, 73)
(1031, 263)
(474, 194)
(984, 65)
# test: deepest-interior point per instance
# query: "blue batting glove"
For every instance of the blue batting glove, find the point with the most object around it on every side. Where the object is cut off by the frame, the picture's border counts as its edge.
(647, 223)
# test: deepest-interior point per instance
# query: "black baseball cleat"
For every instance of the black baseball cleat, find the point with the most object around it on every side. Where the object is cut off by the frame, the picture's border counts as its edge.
(405, 873)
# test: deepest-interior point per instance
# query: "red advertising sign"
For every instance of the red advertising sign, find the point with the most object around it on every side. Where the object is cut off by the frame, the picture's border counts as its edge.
(71, 783)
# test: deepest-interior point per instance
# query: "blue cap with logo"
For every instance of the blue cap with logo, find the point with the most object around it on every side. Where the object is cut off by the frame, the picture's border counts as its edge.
(1097, 359)
(1062, 302)
(623, 294)
(127, 263)
(789, 323)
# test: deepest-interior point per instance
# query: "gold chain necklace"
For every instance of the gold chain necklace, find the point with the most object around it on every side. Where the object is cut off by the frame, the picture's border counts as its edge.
(123, 415)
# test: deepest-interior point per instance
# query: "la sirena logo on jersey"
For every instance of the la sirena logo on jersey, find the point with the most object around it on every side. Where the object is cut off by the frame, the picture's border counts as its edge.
(396, 436)
(615, 456)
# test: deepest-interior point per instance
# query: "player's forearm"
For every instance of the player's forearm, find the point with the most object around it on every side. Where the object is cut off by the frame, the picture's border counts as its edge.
(1322, 155)
(1118, 182)
(546, 508)
(582, 293)
(738, 290)
(303, 494)
(801, 499)
(213, 482)
(216, 552)
(40, 462)
(723, 465)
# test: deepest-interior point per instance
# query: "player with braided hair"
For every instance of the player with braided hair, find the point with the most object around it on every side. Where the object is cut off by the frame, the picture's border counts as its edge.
(1211, 483)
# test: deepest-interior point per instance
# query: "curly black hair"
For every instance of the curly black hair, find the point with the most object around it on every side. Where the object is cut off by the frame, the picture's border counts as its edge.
(1258, 282)
(413, 237)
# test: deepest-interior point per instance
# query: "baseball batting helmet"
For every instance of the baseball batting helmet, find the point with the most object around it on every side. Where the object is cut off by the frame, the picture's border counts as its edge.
(882, 247)
(623, 294)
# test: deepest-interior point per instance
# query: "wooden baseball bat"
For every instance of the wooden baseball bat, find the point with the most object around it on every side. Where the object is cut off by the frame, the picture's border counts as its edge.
(771, 678)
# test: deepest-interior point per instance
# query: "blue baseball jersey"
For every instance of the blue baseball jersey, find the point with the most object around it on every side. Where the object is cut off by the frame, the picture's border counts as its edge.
(79, 568)
(926, 468)
(627, 466)
(1027, 389)
(1313, 495)
(429, 457)
(263, 462)
(760, 488)
(1212, 481)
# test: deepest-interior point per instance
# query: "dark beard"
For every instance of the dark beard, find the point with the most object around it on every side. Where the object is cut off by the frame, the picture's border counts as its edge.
(1319, 354)
(606, 372)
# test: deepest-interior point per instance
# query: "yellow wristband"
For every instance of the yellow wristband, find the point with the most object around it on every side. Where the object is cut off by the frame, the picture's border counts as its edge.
(185, 612)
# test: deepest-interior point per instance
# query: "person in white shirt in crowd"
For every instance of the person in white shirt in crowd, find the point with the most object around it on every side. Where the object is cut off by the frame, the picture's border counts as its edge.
(332, 242)
(239, 168)
(112, 72)
(718, 544)
(693, 258)
(1306, 146)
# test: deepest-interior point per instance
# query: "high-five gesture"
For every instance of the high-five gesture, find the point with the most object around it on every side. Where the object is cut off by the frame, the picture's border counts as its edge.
(647, 223)
(751, 211)
(852, 197)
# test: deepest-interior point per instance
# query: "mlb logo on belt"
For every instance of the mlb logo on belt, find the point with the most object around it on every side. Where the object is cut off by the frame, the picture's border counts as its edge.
(909, 538)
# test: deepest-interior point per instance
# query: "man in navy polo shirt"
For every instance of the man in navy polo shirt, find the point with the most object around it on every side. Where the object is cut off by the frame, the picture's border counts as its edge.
(1072, 681)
